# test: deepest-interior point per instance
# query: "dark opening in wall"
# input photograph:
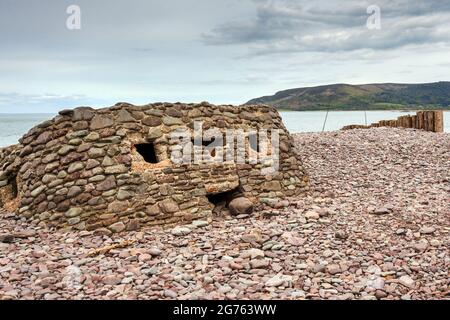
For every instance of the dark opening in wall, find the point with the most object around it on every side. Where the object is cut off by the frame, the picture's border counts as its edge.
(147, 151)
(14, 189)
(224, 197)
(253, 142)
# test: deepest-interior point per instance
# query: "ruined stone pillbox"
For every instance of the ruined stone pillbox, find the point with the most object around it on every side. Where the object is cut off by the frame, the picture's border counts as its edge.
(114, 168)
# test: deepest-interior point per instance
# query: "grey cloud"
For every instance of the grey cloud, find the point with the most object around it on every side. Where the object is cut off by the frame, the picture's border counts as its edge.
(327, 26)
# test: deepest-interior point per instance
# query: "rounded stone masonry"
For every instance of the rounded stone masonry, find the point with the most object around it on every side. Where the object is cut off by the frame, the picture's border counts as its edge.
(120, 167)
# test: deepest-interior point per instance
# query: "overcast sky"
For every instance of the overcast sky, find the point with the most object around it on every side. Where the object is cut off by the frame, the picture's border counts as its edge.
(222, 51)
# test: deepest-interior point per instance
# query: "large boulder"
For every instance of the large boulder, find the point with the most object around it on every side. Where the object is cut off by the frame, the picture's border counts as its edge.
(240, 205)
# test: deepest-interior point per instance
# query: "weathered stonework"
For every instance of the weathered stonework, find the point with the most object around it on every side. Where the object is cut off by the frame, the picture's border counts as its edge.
(83, 170)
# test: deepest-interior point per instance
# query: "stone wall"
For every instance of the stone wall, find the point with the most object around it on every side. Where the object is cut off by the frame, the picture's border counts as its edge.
(423, 120)
(82, 169)
(10, 164)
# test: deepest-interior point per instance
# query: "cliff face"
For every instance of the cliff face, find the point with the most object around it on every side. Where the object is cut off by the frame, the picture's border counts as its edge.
(114, 168)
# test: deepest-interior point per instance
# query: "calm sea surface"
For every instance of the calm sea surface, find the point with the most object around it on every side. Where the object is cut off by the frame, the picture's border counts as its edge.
(311, 121)
(13, 126)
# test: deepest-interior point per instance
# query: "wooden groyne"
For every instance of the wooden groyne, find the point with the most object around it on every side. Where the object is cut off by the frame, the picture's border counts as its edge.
(423, 120)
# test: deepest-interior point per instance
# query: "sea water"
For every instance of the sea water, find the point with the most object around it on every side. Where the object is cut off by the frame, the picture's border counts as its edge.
(315, 121)
(14, 126)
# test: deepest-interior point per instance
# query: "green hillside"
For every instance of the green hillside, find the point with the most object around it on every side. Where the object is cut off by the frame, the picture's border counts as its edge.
(386, 96)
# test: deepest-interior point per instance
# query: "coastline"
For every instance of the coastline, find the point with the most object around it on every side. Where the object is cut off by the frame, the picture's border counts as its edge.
(16, 125)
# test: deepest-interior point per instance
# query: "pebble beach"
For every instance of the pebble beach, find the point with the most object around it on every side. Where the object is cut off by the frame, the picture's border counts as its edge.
(374, 225)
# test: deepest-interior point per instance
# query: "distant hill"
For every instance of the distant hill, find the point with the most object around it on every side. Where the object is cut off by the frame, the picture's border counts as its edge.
(362, 97)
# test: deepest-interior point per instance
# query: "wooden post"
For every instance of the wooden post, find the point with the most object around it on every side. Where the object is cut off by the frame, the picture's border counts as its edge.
(420, 120)
(414, 122)
(410, 121)
(425, 120)
(430, 120)
(438, 121)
